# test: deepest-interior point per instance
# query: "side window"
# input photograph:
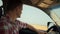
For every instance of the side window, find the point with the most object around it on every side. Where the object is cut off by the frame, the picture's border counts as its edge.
(35, 17)
(55, 13)
(1, 3)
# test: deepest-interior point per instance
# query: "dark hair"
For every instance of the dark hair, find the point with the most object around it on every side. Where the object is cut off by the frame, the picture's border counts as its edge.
(11, 4)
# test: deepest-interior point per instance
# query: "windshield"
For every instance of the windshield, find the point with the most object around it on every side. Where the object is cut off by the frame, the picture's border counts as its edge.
(35, 17)
(55, 13)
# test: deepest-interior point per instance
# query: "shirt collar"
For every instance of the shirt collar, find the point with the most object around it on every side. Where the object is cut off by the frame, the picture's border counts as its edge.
(9, 19)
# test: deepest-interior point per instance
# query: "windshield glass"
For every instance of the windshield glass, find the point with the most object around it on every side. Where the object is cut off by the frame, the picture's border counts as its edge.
(55, 13)
(35, 17)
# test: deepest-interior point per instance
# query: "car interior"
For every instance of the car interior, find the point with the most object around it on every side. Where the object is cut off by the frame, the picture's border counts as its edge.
(51, 8)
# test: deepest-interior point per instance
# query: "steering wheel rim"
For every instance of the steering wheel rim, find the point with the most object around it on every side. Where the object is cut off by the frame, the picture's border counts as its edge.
(54, 27)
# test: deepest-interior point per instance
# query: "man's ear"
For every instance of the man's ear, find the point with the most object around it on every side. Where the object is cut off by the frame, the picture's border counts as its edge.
(16, 8)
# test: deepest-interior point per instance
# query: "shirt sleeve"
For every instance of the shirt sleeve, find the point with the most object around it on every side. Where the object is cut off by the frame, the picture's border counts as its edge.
(3, 27)
(25, 25)
(22, 25)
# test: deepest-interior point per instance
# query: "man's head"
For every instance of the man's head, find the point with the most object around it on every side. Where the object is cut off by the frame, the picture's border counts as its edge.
(13, 6)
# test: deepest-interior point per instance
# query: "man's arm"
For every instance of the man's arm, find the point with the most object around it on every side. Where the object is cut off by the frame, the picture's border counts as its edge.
(32, 28)
(38, 32)
(25, 25)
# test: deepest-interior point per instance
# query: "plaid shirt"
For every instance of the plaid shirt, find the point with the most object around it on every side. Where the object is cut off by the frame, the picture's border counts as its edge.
(7, 27)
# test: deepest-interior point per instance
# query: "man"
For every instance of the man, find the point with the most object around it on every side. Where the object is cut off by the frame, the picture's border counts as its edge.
(8, 22)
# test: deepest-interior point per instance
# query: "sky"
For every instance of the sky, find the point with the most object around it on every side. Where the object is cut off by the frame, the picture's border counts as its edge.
(32, 15)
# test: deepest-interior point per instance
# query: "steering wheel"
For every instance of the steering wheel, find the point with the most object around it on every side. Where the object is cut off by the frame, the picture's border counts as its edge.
(54, 28)
(27, 31)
